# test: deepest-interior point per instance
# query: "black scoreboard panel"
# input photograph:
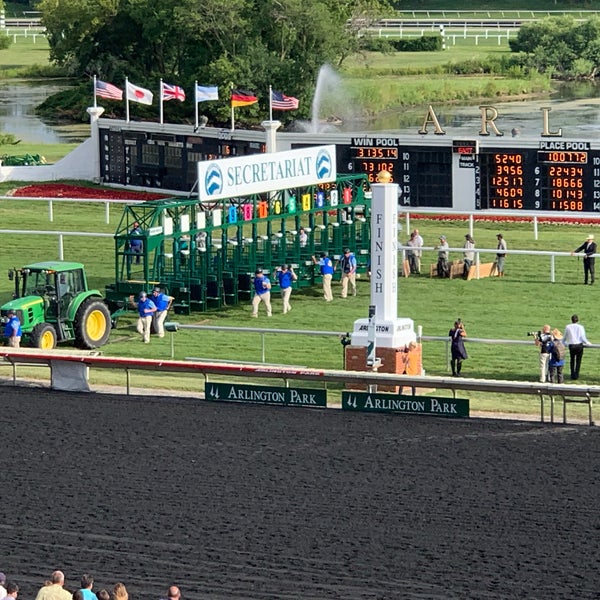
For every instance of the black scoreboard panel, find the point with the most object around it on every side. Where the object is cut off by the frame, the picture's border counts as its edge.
(555, 179)
(424, 173)
(162, 160)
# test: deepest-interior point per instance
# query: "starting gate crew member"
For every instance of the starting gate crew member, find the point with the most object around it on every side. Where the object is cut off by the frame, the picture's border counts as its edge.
(348, 264)
(146, 308)
(286, 276)
(163, 304)
(136, 245)
(262, 292)
(326, 268)
(12, 329)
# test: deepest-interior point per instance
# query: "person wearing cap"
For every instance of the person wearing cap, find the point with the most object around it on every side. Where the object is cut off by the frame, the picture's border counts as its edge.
(13, 333)
(575, 339)
(543, 340)
(163, 304)
(443, 270)
(54, 589)
(557, 358)
(262, 292)
(501, 254)
(348, 266)
(468, 255)
(589, 268)
(285, 276)
(326, 269)
(146, 308)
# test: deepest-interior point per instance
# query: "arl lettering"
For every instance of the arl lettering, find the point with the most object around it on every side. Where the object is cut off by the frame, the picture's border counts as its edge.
(489, 114)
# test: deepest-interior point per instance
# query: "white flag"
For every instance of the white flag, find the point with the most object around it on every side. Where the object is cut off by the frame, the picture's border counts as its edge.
(138, 94)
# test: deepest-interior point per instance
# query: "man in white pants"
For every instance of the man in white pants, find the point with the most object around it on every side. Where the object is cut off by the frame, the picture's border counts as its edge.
(163, 304)
(146, 308)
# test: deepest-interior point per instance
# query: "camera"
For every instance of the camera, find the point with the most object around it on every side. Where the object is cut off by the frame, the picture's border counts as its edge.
(534, 334)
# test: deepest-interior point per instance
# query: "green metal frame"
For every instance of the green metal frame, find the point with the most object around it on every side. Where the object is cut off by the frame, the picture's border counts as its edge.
(205, 261)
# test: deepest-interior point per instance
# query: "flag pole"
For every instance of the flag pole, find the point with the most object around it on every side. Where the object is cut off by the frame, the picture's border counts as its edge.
(232, 110)
(270, 103)
(161, 101)
(127, 99)
(196, 104)
(95, 103)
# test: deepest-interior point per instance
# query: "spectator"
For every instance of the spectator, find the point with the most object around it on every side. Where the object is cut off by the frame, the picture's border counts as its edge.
(173, 593)
(163, 303)
(103, 595)
(146, 308)
(500, 255)
(468, 255)
(326, 269)
(262, 292)
(13, 333)
(418, 252)
(457, 347)
(411, 254)
(575, 339)
(87, 582)
(286, 276)
(543, 340)
(54, 589)
(348, 266)
(12, 591)
(119, 592)
(557, 358)
(589, 249)
(443, 270)
(3, 590)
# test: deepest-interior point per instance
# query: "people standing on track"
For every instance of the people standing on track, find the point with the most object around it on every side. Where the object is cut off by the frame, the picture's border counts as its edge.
(163, 304)
(286, 276)
(262, 292)
(411, 254)
(146, 308)
(418, 252)
(557, 358)
(348, 266)
(501, 254)
(12, 329)
(543, 339)
(457, 347)
(443, 269)
(326, 269)
(575, 339)
(589, 267)
(468, 255)
(54, 590)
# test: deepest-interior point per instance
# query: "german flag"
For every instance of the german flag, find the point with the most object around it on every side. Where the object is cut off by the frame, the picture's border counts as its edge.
(242, 98)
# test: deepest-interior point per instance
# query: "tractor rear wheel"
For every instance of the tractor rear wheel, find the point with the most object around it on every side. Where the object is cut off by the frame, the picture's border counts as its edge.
(92, 324)
(43, 336)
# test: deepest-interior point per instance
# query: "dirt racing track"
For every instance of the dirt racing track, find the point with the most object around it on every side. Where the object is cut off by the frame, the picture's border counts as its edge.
(258, 502)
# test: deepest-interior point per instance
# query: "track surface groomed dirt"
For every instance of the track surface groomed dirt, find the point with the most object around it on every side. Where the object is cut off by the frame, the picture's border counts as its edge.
(255, 502)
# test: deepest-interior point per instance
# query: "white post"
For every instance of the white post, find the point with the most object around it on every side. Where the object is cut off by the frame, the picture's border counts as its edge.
(552, 273)
(50, 211)
(61, 247)
(107, 212)
(95, 113)
(535, 228)
(271, 128)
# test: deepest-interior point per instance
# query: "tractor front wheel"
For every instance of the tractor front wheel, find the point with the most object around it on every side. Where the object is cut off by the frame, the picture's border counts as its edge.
(92, 324)
(43, 336)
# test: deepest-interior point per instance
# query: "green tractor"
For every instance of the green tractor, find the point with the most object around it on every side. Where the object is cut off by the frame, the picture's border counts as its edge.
(54, 305)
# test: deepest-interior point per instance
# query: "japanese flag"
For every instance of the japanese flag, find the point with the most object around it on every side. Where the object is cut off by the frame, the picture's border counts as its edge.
(138, 94)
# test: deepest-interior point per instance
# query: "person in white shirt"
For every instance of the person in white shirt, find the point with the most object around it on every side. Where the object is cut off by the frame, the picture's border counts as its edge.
(575, 339)
(2, 585)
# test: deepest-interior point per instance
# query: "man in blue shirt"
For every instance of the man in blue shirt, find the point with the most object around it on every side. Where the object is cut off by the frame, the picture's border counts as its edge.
(262, 292)
(348, 266)
(12, 329)
(163, 304)
(285, 275)
(146, 308)
(136, 246)
(326, 270)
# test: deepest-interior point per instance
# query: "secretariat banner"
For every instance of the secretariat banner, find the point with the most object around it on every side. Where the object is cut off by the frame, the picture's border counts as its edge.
(259, 173)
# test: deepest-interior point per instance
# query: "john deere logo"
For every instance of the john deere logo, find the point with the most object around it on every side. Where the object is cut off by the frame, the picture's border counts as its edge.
(213, 180)
(323, 164)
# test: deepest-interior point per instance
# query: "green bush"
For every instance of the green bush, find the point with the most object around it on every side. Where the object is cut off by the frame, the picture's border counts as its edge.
(426, 43)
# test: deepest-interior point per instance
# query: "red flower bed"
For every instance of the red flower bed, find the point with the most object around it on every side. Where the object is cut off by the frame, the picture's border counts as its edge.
(62, 190)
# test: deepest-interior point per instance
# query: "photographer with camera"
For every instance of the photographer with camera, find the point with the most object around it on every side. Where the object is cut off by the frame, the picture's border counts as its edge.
(457, 347)
(543, 339)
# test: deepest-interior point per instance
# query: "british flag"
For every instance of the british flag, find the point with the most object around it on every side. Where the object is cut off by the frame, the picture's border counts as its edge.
(172, 92)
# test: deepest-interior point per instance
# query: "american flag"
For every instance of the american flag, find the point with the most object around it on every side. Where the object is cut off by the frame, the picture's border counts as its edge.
(108, 90)
(172, 92)
(280, 101)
